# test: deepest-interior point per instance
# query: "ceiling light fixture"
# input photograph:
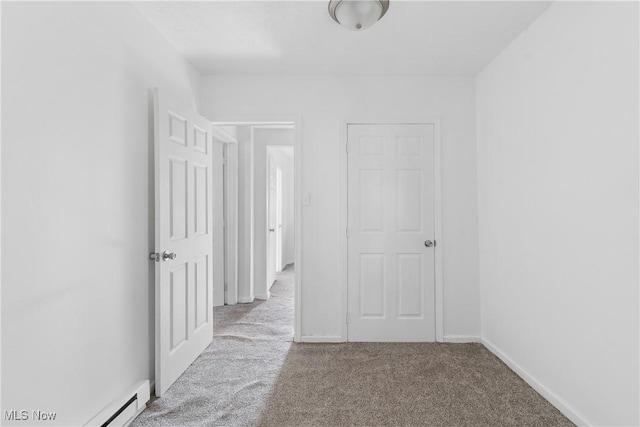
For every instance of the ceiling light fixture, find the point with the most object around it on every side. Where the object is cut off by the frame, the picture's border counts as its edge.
(357, 14)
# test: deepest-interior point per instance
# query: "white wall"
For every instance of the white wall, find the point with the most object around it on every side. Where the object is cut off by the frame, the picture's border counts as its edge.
(77, 305)
(558, 208)
(322, 103)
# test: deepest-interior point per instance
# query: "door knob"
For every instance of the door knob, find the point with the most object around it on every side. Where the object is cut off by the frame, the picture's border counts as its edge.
(429, 243)
(168, 255)
(271, 230)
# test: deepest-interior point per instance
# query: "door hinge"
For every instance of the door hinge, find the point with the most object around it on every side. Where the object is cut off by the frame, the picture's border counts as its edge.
(347, 318)
(347, 232)
(347, 145)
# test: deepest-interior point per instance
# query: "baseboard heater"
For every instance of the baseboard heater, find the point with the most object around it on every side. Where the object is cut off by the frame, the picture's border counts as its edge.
(122, 411)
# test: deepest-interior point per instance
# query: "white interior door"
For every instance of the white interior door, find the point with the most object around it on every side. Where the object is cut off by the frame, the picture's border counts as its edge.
(390, 218)
(183, 238)
(272, 224)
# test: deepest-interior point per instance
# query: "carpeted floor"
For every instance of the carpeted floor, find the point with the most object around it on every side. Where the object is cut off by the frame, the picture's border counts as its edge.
(252, 374)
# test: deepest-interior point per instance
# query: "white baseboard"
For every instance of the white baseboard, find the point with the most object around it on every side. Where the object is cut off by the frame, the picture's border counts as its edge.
(461, 338)
(556, 401)
(245, 300)
(142, 392)
(321, 338)
(263, 296)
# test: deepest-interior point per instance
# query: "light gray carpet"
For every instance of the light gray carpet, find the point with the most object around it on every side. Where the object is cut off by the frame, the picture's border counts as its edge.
(230, 381)
(252, 374)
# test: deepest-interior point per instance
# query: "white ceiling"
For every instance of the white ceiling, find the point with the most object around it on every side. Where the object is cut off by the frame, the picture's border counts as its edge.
(299, 37)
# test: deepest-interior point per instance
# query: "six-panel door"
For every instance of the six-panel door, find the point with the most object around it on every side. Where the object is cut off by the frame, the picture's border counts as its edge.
(184, 231)
(390, 216)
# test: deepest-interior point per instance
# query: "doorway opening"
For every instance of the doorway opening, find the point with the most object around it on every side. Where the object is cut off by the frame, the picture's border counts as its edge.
(261, 226)
(280, 211)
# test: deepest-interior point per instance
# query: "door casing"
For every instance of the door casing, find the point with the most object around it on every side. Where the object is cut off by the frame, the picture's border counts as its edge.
(439, 307)
(230, 211)
(279, 209)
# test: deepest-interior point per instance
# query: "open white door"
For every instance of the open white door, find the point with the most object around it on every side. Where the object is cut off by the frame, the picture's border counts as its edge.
(183, 238)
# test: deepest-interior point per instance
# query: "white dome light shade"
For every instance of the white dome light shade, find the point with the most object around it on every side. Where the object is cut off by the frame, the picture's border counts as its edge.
(357, 14)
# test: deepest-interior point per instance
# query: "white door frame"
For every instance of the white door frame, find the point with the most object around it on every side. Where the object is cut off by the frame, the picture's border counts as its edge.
(439, 301)
(279, 214)
(230, 195)
(296, 121)
(216, 192)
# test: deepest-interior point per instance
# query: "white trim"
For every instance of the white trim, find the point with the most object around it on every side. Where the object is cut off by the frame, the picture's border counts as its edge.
(567, 410)
(297, 201)
(462, 339)
(245, 300)
(141, 389)
(230, 187)
(321, 338)
(439, 279)
(231, 223)
(297, 167)
(263, 297)
(224, 135)
(344, 222)
(439, 282)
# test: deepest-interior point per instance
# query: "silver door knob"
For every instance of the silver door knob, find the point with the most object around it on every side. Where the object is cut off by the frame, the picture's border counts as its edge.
(168, 255)
(429, 243)
(271, 230)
